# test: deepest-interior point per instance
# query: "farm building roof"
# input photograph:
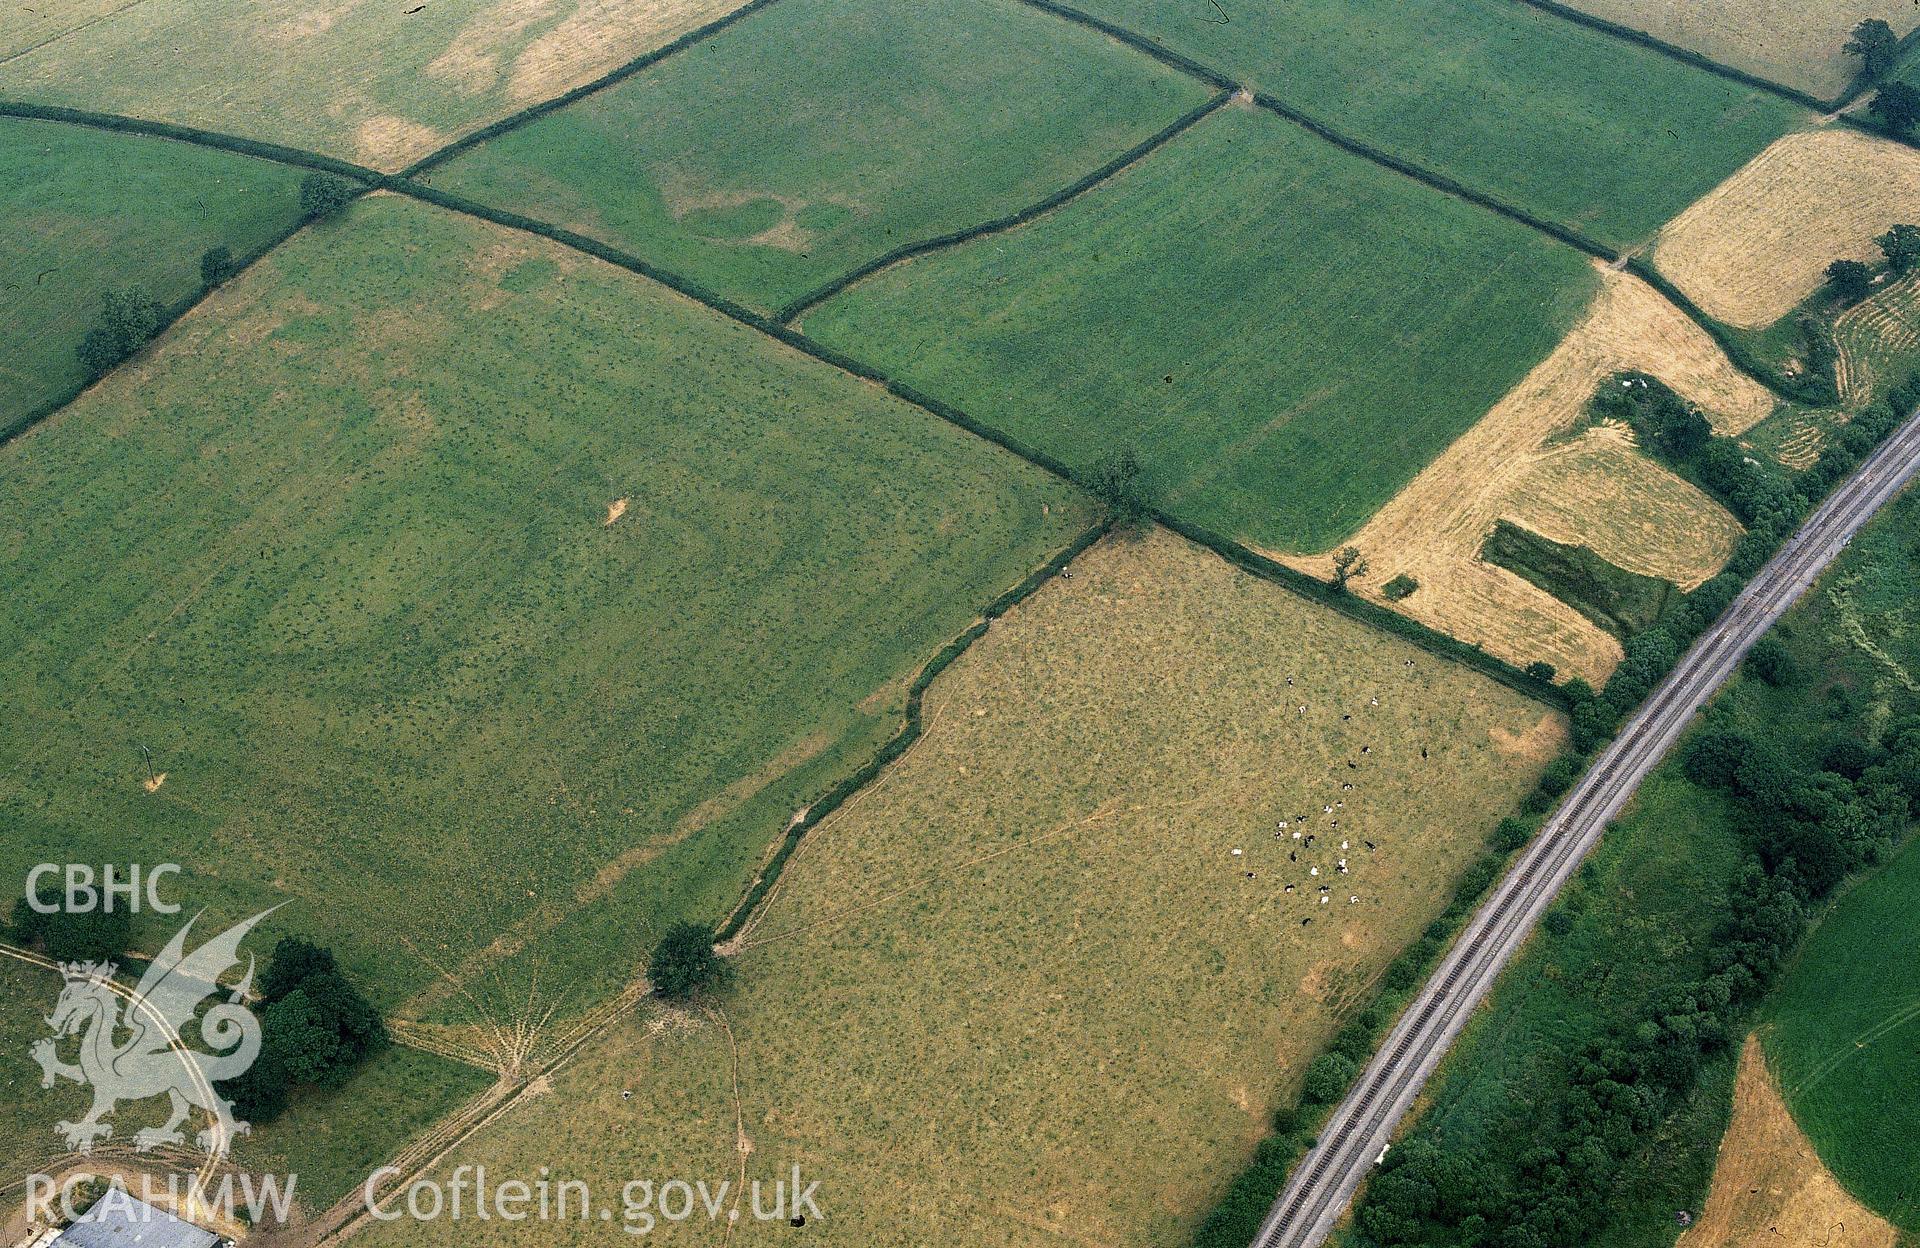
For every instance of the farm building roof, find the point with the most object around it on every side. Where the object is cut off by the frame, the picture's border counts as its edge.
(117, 1220)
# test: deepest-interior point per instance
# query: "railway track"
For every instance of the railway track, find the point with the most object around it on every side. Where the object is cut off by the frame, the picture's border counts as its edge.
(1357, 1134)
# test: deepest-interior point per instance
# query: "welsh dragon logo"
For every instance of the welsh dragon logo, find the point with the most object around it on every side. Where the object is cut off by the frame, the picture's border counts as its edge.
(153, 1059)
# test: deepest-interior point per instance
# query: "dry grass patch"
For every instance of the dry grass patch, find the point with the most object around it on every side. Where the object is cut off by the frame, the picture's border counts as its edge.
(1877, 339)
(1768, 1185)
(1600, 491)
(381, 83)
(1045, 977)
(1507, 465)
(1751, 250)
(1796, 42)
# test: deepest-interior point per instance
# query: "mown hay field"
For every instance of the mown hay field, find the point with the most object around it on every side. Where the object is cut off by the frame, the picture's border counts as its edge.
(378, 83)
(330, 1140)
(1568, 123)
(1877, 341)
(1284, 351)
(816, 135)
(1051, 974)
(1751, 251)
(1768, 1184)
(354, 576)
(1795, 42)
(89, 212)
(1512, 463)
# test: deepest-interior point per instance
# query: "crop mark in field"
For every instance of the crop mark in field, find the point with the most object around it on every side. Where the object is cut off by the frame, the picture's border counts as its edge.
(1433, 530)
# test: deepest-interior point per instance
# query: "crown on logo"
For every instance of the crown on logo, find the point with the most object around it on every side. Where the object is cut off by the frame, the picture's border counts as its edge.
(88, 972)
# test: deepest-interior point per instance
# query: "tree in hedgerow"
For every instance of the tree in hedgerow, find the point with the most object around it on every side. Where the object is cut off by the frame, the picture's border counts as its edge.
(323, 194)
(1119, 482)
(216, 266)
(1327, 1078)
(1897, 105)
(1850, 280)
(1348, 563)
(685, 964)
(1901, 246)
(128, 319)
(1874, 42)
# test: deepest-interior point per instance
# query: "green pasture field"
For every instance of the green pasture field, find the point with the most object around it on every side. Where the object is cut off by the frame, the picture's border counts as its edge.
(1843, 1030)
(88, 212)
(349, 574)
(329, 1140)
(381, 84)
(818, 134)
(1844, 1036)
(1564, 122)
(1284, 332)
(1049, 976)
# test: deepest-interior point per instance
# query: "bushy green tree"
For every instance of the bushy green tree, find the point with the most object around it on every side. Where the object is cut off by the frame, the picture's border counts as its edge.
(1850, 280)
(1897, 106)
(323, 194)
(216, 266)
(1326, 1079)
(684, 963)
(1901, 246)
(1874, 42)
(127, 321)
(1119, 483)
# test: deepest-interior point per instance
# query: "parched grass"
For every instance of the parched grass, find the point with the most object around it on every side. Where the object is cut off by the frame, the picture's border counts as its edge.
(1794, 42)
(349, 577)
(1570, 124)
(1284, 350)
(24, 27)
(1754, 249)
(381, 84)
(818, 134)
(1045, 978)
(89, 212)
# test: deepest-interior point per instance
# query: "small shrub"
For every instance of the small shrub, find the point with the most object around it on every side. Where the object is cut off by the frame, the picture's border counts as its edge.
(1401, 588)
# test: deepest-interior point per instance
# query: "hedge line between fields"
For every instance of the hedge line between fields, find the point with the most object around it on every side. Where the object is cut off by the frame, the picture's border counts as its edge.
(1438, 181)
(1428, 639)
(537, 111)
(1686, 56)
(955, 238)
(908, 734)
(1366, 611)
(168, 316)
(1166, 56)
(193, 134)
(1814, 391)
